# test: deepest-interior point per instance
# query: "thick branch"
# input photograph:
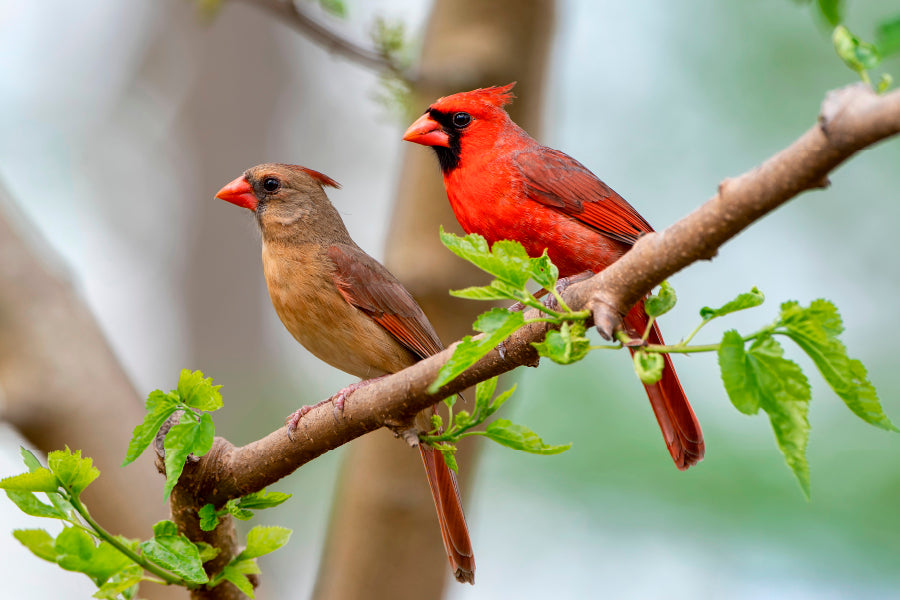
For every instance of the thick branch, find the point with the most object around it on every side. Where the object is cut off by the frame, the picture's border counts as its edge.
(290, 14)
(852, 119)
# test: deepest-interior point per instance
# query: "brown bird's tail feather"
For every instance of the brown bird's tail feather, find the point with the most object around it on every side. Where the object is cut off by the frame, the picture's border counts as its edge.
(676, 419)
(445, 492)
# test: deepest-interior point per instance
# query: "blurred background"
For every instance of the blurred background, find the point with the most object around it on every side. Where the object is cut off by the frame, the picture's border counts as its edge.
(120, 121)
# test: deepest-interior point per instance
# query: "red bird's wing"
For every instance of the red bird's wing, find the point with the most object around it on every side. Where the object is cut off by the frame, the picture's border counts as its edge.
(557, 180)
(369, 286)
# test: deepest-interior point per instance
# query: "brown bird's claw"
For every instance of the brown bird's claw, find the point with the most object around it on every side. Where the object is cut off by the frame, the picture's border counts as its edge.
(293, 419)
(339, 399)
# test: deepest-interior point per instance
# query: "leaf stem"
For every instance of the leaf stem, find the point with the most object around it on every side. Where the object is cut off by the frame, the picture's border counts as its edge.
(167, 577)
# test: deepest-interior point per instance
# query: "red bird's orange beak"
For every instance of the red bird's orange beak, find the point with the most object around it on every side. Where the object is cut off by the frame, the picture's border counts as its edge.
(239, 192)
(428, 132)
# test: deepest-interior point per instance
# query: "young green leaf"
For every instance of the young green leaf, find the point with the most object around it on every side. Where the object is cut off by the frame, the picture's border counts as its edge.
(858, 55)
(29, 459)
(262, 499)
(207, 551)
(238, 513)
(197, 392)
(448, 452)
(41, 480)
(75, 551)
(264, 539)
(174, 552)
(484, 391)
(236, 572)
(737, 374)
(38, 541)
(544, 272)
(662, 302)
(499, 400)
(122, 583)
(497, 324)
(188, 437)
(816, 329)
(209, 520)
(73, 472)
(159, 407)
(648, 366)
(746, 300)
(519, 437)
(506, 260)
(29, 504)
(566, 346)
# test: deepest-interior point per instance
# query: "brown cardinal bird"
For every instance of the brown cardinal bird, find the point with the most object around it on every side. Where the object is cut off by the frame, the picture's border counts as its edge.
(344, 307)
(502, 184)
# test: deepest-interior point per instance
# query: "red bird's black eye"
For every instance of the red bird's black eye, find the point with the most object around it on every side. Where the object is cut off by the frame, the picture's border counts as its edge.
(270, 184)
(461, 119)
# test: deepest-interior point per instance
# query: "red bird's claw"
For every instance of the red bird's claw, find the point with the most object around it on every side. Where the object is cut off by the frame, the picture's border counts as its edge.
(293, 420)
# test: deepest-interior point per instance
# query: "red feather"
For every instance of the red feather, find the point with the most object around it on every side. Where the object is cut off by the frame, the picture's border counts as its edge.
(502, 184)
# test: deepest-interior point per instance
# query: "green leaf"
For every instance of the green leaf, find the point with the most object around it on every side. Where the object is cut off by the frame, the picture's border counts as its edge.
(197, 392)
(856, 54)
(780, 388)
(887, 36)
(335, 7)
(448, 452)
(497, 324)
(484, 391)
(506, 260)
(174, 552)
(499, 400)
(121, 583)
(73, 472)
(186, 438)
(29, 459)
(519, 437)
(462, 419)
(566, 346)
(648, 366)
(485, 292)
(746, 300)
(262, 499)
(737, 374)
(207, 551)
(159, 407)
(832, 10)
(544, 272)
(236, 573)
(41, 480)
(38, 541)
(816, 329)
(76, 551)
(238, 513)
(264, 539)
(29, 504)
(209, 520)
(661, 303)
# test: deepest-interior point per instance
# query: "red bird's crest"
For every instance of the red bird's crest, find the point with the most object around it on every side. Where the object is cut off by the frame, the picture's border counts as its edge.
(498, 95)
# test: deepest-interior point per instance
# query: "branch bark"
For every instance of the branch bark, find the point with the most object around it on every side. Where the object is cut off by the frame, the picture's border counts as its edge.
(852, 119)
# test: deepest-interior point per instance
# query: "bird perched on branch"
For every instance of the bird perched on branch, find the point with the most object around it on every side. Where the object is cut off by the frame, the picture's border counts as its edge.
(502, 184)
(345, 308)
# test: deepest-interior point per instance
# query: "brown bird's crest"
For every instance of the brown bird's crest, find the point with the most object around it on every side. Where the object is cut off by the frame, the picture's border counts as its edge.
(322, 178)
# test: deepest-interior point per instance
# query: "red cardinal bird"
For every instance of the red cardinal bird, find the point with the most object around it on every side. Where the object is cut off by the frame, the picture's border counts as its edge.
(345, 308)
(502, 184)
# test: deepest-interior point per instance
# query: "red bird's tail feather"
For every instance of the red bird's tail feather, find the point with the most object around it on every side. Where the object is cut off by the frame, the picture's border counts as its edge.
(676, 419)
(445, 492)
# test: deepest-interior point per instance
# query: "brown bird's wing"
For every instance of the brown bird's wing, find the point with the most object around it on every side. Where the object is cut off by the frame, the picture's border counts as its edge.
(369, 286)
(557, 180)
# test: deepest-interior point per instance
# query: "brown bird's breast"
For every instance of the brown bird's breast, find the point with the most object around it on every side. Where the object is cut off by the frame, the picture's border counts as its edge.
(302, 290)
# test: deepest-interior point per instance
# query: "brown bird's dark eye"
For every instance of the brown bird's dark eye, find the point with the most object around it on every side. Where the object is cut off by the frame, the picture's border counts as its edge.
(271, 184)
(461, 119)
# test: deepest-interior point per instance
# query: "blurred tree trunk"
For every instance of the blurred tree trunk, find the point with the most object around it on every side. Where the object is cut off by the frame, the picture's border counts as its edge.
(62, 385)
(383, 539)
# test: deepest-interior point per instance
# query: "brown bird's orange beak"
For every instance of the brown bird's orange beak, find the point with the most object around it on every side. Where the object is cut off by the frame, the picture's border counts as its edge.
(428, 132)
(239, 192)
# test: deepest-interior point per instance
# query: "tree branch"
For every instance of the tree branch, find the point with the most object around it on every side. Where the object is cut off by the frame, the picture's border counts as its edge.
(290, 14)
(852, 119)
